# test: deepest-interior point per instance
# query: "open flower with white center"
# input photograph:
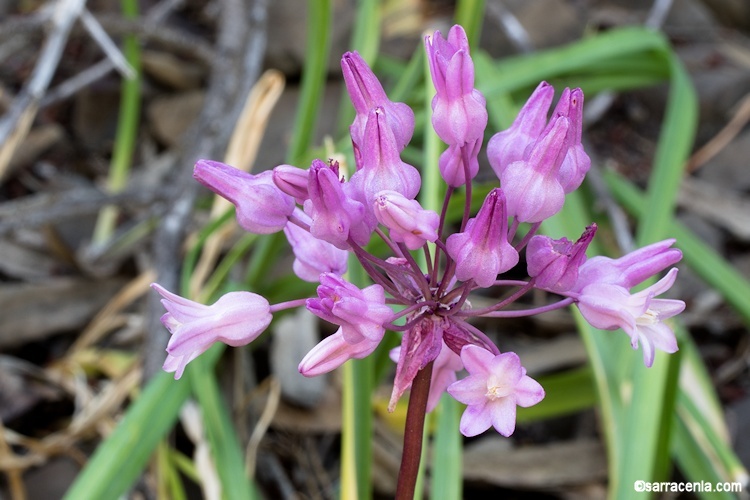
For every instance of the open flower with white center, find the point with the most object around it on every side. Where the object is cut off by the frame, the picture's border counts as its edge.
(640, 315)
(495, 386)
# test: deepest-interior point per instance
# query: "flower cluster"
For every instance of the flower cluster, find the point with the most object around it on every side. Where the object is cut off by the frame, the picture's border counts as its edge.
(326, 217)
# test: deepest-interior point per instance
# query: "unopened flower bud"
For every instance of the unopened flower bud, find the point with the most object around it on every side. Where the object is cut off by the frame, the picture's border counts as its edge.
(459, 110)
(453, 162)
(531, 186)
(262, 208)
(512, 144)
(482, 251)
(554, 263)
(335, 216)
(406, 220)
(366, 94)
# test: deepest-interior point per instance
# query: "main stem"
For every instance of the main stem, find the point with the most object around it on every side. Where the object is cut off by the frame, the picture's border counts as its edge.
(413, 432)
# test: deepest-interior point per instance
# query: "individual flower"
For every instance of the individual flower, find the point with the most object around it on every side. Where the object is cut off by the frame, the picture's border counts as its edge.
(531, 187)
(511, 144)
(555, 263)
(482, 251)
(495, 386)
(405, 219)
(333, 351)
(631, 269)
(459, 114)
(454, 160)
(335, 216)
(262, 208)
(609, 306)
(313, 256)
(236, 319)
(382, 167)
(444, 369)
(360, 313)
(366, 94)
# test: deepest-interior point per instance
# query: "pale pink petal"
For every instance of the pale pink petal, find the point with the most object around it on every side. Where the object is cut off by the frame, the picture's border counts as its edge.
(475, 420)
(503, 415)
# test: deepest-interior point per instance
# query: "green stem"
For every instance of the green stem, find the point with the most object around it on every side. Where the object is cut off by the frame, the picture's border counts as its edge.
(319, 28)
(127, 129)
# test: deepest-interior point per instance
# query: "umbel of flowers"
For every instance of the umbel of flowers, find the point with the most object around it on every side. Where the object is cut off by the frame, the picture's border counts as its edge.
(326, 217)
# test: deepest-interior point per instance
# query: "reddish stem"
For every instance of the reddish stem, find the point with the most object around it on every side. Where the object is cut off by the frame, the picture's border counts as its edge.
(413, 432)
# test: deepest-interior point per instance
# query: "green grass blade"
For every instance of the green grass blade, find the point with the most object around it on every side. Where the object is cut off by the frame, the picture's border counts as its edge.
(127, 128)
(580, 57)
(356, 429)
(227, 454)
(447, 471)
(470, 14)
(673, 150)
(319, 29)
(566, 393)
(121, 458)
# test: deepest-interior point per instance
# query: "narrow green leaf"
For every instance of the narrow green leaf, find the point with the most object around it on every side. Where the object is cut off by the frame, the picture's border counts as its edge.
(565, 393)
(470, 15)
(319, 29)
(356, 427)
(446, 478)
(227, 454)
(121, 458)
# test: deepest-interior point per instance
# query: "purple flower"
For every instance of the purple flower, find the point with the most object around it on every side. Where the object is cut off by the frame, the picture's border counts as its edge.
(360, 313)
(262, 208)
(512, 144)
(453, 162)
(382, 168)
(458, 109)
(335, 216)
(530, 185)
(495, 386)
(554, 263)
(367, 94)
(482, 251)
(610, 306)
(406, 220)
(236, 319)
(631, 269)
(311, 255)
(334, 351)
